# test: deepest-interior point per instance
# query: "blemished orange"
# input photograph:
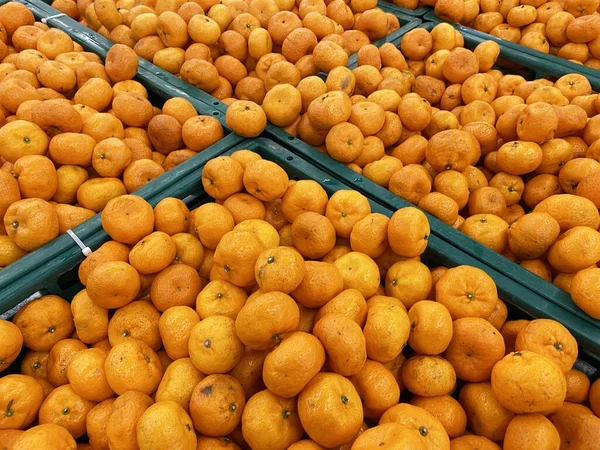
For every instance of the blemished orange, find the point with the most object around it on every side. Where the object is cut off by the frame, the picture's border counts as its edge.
(520, 392)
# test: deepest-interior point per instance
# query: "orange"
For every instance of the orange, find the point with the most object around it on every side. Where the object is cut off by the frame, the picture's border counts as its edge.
(389, 435)
(429, 428)
(409, 281)
(137, 320)
(244, 206)
(485, 415)
(576, 424)
(408, 232)
(467, 292)
(583, 291)
(313, 234)
(452, 150)
(246, 118)
(133, 366)
(12, 343)
(532, 234)
(578, 386)
(210, 340)
(338, 414)
(344, 142)
(128, 219)
(470, 442)
(122, 421)
(359, 272)
(377, 387)
(350, 303)
(344, 209)
(222, 177)
(220, 297)
(175, 427)
(248, 371)
(113, 284)
(178, 382)
(265, 180)
(281, 415)
(44, 322)
(31, 223)
(570, 243)
(20, 397)
(235, 257)
(581, 211)
(153, 253)
(110, 251)
(66, 408)
(531, 431)
(216, 405)
(86, 375)
(447, 410)
(321, 282)
(519, 392)
(45, 437)
(428, 376)
(289, 367)
(549, 338)
(280, 269)
(35, 364)
(175, 337)
(59, 359)
(411, 182)
(472, 359)
(431, 328)
(211, 222)
(171, 216)
(382, 311)
(347, 355)
(262, 321)
(487, 229)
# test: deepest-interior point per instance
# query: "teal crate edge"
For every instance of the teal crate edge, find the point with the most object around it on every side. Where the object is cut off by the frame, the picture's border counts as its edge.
(543, 64)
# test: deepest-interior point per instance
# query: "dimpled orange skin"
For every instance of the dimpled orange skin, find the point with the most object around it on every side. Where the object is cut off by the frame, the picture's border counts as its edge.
(292, 364)
(525, 382)
(330, 410)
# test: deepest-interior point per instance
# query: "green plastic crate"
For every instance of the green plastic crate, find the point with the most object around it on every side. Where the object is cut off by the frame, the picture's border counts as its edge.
(521, 303)
(28, 274)
(544, 65)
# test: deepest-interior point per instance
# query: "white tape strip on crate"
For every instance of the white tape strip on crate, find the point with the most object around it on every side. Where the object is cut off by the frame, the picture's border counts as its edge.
(84, 248)
(56, 16)
(11, 312)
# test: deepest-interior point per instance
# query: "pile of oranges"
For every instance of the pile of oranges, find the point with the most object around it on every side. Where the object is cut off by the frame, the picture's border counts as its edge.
(514, 164)
(569, 29)
(277, 318)
(76, 132)
(236, 46)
